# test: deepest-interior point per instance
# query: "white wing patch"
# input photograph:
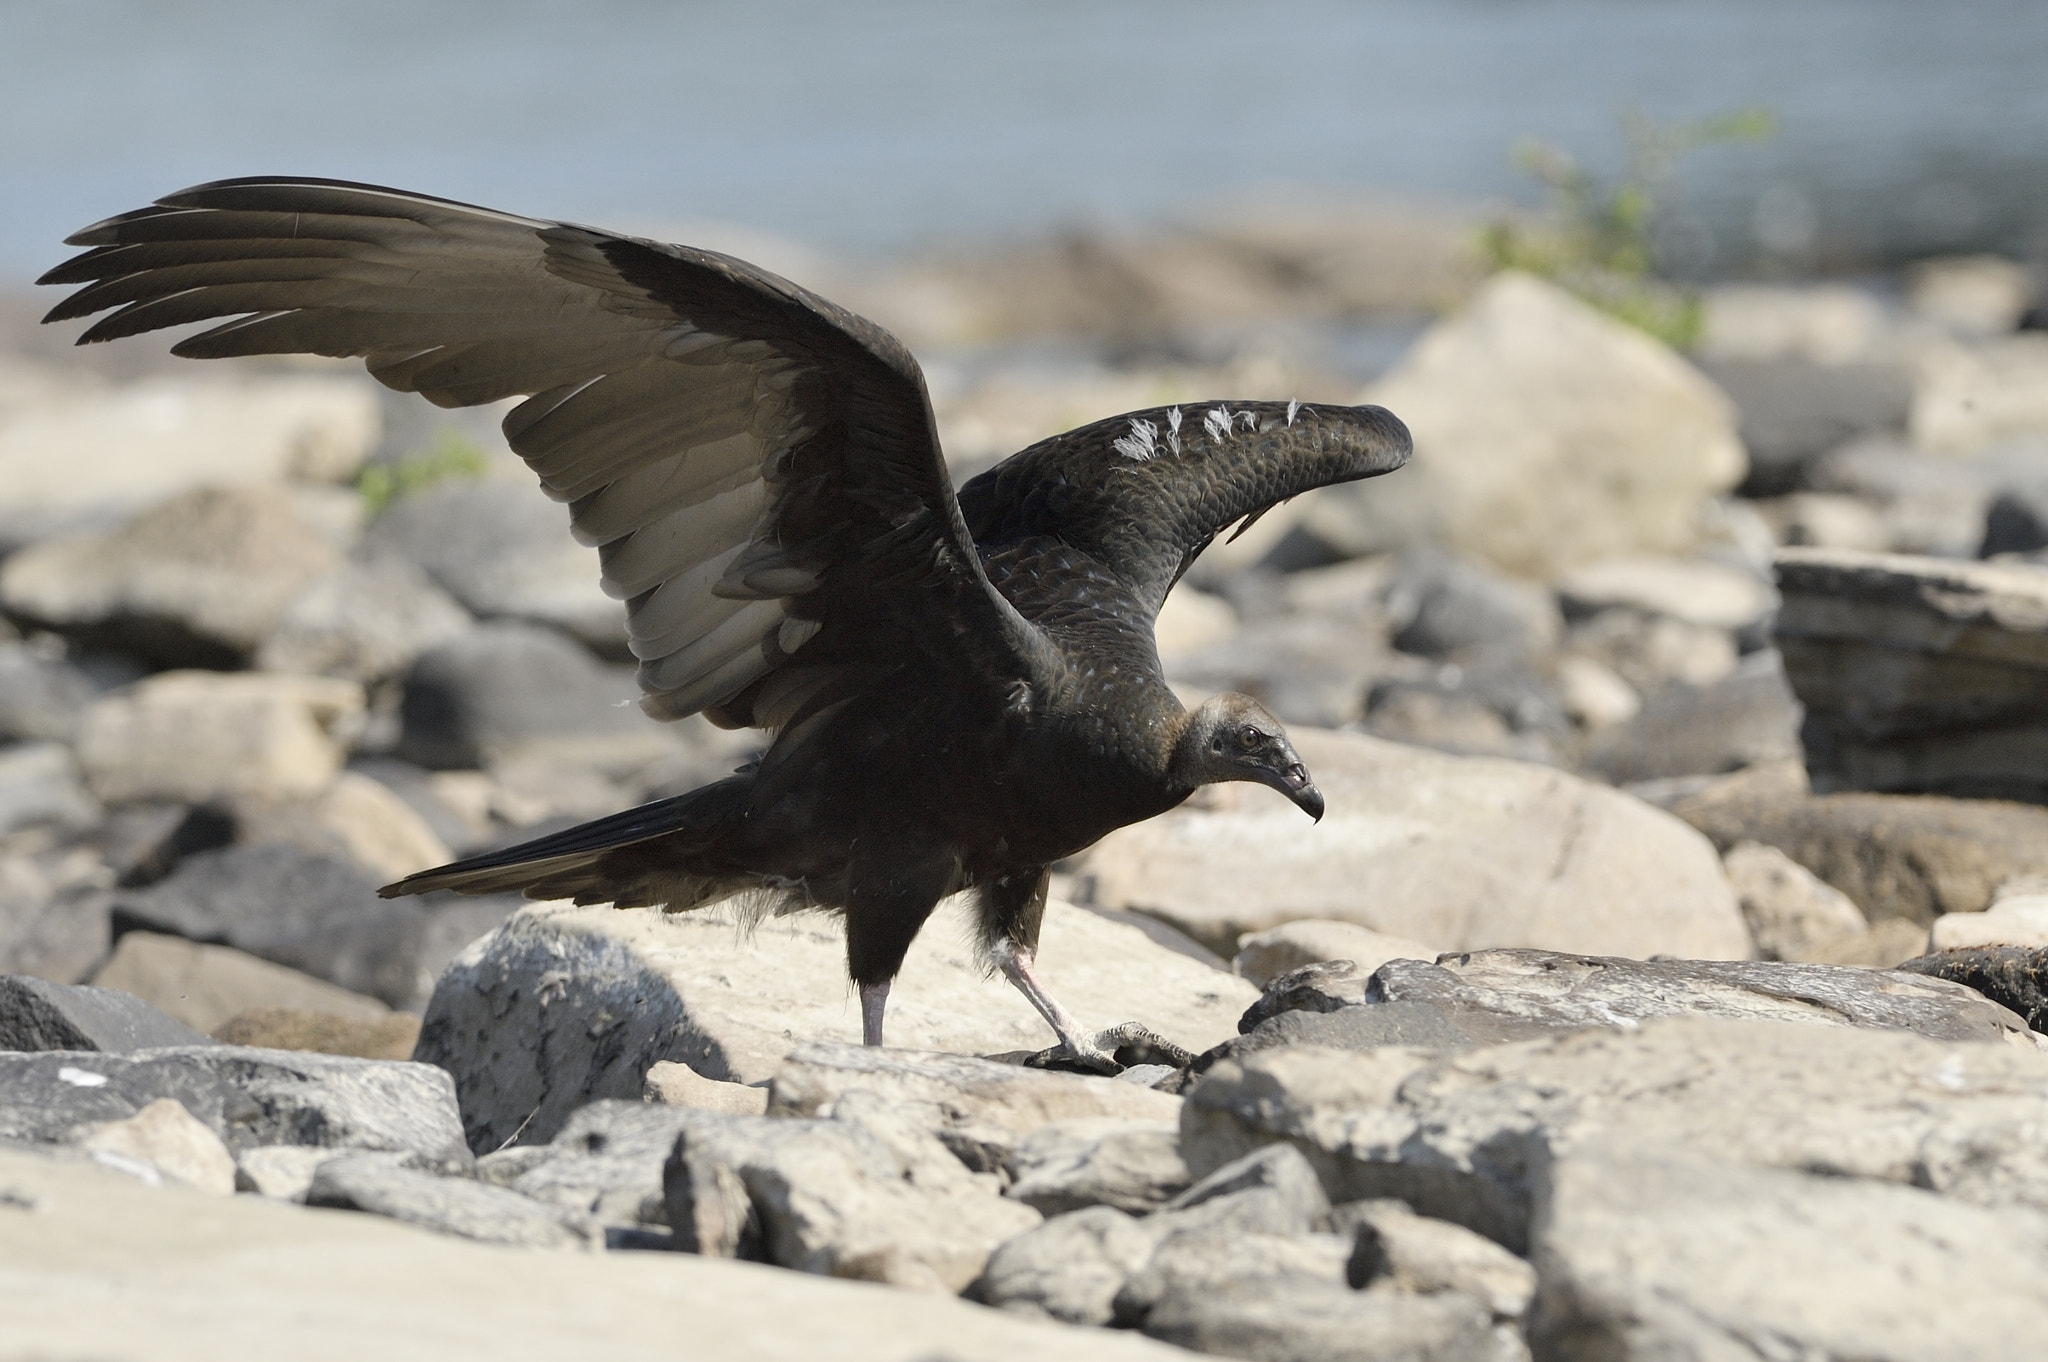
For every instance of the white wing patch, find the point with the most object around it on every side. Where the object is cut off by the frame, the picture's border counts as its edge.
(1173, 429)
(1250, 419)
(1293, 406)
(1217, 421)
(1141, 444)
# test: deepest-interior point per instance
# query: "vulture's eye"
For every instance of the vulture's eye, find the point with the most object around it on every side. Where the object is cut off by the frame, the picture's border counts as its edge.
(1248, 737)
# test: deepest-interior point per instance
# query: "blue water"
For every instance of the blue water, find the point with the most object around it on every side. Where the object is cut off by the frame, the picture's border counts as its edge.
(861, 127)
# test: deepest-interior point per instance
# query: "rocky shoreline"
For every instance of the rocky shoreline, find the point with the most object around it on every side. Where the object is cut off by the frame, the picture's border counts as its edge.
(1666, 978)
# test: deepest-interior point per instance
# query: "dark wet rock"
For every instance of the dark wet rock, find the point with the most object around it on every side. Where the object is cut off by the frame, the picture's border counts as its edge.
(36, 1014)
(2015, 977)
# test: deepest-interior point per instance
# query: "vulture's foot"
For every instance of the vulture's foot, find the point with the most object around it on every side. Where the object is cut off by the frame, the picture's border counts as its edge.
(1111, 1052)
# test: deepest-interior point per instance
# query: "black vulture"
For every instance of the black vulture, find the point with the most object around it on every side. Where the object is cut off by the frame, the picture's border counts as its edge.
(961, 689)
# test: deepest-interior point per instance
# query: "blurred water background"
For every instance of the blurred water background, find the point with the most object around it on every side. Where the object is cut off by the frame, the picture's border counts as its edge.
(1904, 129)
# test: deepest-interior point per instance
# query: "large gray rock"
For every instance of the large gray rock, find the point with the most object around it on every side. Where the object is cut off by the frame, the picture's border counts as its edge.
(194, 582)
(195, 736)
(1394, 1249)
(1006, 1096)
(1295, 1320)
(1254, 1217)
(204, 987)
(1457, 853)
(191, 1271)
(564, 1005)
(1794, 410)
(857, 1195)
(382, 1185)
(1742, 719)
(36, 1014)
(1546, 434)
(1918, 674)
(1791, 911)
(1652, 1254)
(247, 1097)
(504, 553)
(515, 691)
(309, 912)
(1189, 1266)
(54, 922)
(362, 621)
(1463, 1137)
(605, 1167)
(82, 453)
(41, 695)
(1070, 1268)
(40, 787)
(1065, 1165)
(1495, 996)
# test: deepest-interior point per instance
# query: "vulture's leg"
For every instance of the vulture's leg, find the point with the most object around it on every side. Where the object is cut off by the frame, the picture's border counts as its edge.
(1012, 908)
(893, 895)
(873, 998)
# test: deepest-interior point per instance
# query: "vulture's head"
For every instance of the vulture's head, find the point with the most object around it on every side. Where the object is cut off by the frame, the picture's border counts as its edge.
(1234, 737)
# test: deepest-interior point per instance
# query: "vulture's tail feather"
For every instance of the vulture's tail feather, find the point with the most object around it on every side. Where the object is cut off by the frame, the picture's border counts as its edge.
(583, 862)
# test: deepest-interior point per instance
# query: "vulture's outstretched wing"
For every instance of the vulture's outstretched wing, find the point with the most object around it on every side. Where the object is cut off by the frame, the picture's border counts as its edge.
(1145, 492)
(757, 466)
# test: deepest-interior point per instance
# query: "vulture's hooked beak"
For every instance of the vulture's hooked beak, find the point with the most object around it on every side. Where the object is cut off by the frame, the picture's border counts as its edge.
(1305, 795)
(1292, 779)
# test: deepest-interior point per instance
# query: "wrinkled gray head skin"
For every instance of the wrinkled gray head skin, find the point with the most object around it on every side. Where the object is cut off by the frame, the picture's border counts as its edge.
(1234, 737)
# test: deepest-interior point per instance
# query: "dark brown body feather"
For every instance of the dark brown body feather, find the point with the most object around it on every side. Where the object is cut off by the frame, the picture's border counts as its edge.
(960, 690)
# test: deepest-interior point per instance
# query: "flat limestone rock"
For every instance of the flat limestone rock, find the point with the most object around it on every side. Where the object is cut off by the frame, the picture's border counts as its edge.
(1463, 853)
(1649, 1254)
(1460, 1137)
(206, 986)
(1011, 1097)
(1894, 855)
(1512, 995)
(36, 1014)
(244, 1276)
(565, 1005)
(381, 1185)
